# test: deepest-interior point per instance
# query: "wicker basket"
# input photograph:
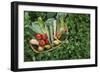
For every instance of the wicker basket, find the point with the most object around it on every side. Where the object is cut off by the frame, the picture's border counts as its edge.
(52, 48)
(44, 50)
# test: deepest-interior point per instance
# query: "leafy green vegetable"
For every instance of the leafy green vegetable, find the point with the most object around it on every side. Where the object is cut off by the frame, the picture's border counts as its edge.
(61, 21)
(50, 30)
(36, 28)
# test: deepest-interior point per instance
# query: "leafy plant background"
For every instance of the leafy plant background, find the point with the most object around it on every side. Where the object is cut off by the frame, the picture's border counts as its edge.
(78, 46)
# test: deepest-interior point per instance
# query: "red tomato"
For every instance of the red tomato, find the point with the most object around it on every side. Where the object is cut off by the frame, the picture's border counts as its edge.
(44, 36)
(42, 43)
(38, 36)
(46, 41)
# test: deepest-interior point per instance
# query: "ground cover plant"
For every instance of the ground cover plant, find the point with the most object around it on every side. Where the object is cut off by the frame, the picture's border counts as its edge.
(77, 45)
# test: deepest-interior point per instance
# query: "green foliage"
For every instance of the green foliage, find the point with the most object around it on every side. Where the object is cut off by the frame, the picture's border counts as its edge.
(78, 46)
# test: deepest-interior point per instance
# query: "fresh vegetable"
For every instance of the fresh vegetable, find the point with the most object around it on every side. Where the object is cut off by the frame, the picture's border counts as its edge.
(36, 28)
(46, 41)
(56, 42)
(40, 48)
(61, 22)
(44, 36)
(38, 36)
(42, 43)
(55, 28)
(41, 24)
(34, 42)
(47, 46)
(50, 30)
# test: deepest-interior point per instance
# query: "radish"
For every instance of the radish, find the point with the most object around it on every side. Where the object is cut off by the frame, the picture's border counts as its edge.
(38, 36)
(46, 41)
(44, 36)
(42, 43)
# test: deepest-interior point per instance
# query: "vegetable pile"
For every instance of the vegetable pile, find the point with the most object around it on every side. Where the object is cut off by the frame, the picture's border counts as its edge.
(48, 34)
(68, 34)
